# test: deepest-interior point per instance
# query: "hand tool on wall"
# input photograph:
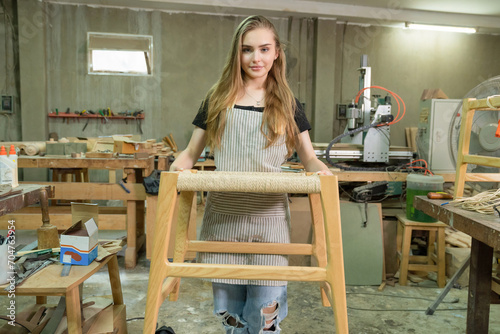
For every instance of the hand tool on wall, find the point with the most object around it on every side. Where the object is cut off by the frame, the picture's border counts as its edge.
(101, 112)
(86, 123)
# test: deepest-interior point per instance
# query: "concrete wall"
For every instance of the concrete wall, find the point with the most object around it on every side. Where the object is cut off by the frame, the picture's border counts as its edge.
(190, 50)
(10, 124)
(189, 53)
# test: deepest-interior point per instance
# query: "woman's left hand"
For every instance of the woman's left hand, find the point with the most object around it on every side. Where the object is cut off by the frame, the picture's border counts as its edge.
(324, 172)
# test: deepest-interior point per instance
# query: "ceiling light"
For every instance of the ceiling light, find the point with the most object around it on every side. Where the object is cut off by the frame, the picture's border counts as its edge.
(466, 30)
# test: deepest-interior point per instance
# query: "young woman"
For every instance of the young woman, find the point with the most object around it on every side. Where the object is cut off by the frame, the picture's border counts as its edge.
(252, 123)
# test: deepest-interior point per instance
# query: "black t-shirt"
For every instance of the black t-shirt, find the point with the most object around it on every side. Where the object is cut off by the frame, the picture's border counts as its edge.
(300, 117)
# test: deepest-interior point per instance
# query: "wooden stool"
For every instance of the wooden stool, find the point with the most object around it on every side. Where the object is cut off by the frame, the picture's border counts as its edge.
(67, 175)
(164, 276)
(428, 263)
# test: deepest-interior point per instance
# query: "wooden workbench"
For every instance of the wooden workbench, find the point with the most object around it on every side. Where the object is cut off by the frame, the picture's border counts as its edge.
(485, 233)
(25, 195)
(48, 282)
(134, 169)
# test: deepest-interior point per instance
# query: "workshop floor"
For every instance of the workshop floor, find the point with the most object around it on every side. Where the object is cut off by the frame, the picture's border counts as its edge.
(394, 310)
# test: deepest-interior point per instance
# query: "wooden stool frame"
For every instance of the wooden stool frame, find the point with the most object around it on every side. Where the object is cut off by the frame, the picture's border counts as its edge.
(429, 262)
(164, 277)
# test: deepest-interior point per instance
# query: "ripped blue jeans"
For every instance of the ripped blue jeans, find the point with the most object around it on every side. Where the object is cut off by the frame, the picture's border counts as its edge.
(250, 309)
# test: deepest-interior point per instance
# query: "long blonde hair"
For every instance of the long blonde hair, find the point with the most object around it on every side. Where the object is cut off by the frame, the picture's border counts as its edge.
(279, 112)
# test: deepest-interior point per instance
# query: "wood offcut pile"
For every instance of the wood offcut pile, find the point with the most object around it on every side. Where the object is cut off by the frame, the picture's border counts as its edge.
(454, 238)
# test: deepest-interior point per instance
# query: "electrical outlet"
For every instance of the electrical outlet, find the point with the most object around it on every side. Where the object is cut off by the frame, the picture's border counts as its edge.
(7, 104)
(341, 111)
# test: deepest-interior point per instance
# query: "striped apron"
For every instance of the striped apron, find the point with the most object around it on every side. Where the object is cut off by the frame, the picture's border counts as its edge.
(246, 217)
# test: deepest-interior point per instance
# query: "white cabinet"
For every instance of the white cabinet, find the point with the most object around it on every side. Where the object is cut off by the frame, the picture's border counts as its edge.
(433, 139)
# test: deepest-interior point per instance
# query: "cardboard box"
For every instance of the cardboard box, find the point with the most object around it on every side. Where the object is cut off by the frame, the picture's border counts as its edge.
(124, 145)
(79, 242)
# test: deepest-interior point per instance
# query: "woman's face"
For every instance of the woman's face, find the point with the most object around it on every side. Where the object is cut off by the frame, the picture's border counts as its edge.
(258, 52)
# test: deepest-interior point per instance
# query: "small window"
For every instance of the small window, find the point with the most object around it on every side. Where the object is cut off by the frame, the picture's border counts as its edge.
(120, 54)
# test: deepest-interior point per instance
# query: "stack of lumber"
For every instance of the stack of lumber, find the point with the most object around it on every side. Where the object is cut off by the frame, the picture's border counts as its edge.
(454, 238)
(170, 142)
(162, 149)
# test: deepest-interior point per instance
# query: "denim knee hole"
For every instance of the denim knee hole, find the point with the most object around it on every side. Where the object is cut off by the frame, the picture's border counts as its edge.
(229, 320)
(270, 318)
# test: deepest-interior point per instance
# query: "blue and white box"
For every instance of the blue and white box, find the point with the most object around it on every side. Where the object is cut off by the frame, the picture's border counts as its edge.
(79, 243)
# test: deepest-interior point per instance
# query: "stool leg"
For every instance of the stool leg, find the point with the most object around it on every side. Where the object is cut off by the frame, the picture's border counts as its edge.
(430, 245)
(335, 267)
(55, 175)
(78, 175)
(85, 173)
(167, 199)
(186, 213)
(441, 258)
(405, 255)
(399, 241)
(318, 242)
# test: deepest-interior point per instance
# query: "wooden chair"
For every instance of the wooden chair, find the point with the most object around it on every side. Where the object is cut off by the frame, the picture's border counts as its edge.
(429, 262)
(469, 107)
(164, 277)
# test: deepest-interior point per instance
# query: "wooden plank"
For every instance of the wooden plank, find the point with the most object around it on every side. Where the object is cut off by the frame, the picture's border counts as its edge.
(48, 281)
(95, 191)
(330, 202)
(253, 272)
(249, 248)
(317, 243)
(369, 176)
(482, 103)
(66, 209)
(31, 221)
(167, 198)
(463, 149)
(132, 226)
(482, 160)
(29, 195)
(57, 161)
(481, 177)
(114, 279)
(484, 228)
